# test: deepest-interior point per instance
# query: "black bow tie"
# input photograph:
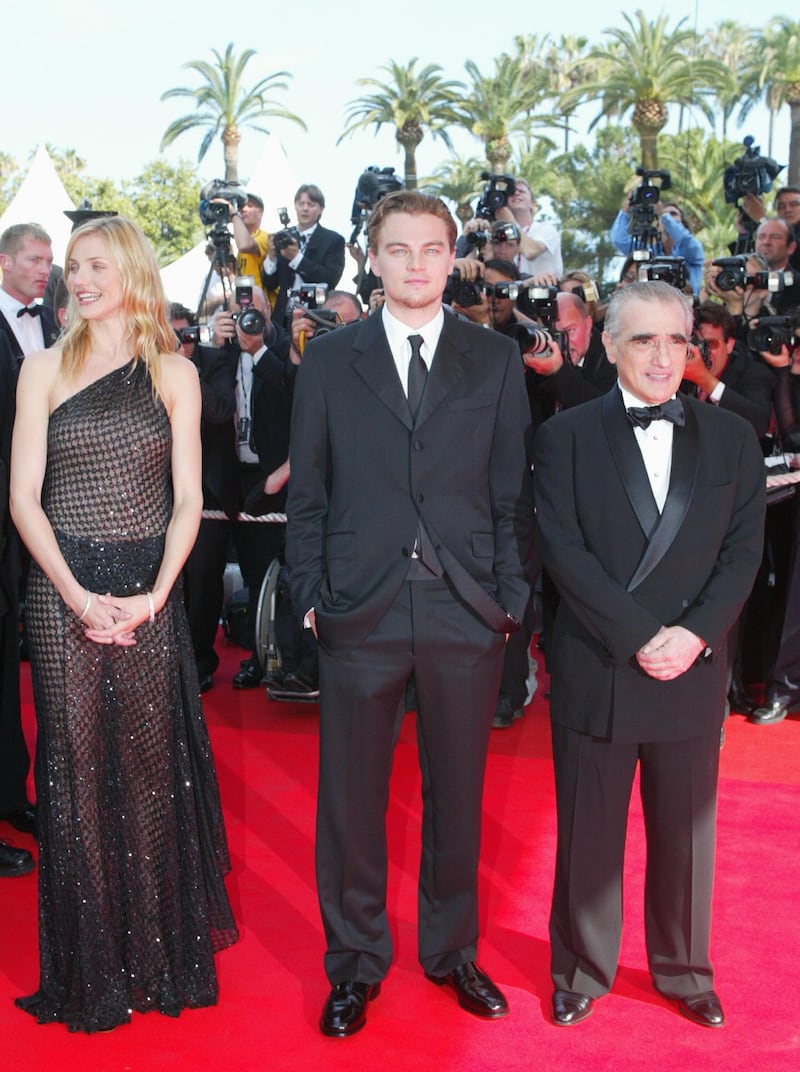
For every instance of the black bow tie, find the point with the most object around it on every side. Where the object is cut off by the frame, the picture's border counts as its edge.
(31, 310)
(643, 416)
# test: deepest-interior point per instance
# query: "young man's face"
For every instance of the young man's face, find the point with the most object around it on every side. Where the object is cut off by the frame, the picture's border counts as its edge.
(413, 259)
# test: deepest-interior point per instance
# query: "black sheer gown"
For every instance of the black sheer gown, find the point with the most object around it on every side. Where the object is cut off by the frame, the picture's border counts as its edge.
(132, 904)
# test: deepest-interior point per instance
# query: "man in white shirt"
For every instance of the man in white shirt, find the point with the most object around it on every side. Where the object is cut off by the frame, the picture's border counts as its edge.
(26, 256)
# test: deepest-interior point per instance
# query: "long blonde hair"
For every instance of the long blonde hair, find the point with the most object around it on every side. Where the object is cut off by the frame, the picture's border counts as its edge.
(143, 300)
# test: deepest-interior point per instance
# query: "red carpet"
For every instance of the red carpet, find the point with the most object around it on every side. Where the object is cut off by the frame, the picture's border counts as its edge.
(272, 985)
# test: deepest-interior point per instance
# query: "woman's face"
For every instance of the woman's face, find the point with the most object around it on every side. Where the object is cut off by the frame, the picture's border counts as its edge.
(93, 279)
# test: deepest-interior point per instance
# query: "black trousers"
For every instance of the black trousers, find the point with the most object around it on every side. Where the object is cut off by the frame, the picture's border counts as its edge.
(678, 783)
(456, 661)
(14, 759)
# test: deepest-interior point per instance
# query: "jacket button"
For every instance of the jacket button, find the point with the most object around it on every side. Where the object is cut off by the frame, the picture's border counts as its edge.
(684, 602)
(417, 445)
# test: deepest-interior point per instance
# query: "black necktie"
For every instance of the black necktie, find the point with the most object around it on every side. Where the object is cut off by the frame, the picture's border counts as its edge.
(643, 416)
(31, 310)
(417, 374)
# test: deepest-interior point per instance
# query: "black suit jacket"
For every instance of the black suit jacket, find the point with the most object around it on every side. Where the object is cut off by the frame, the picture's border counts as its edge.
(217, 370)
(623, 570)
(322, 262)
(364, 474)
(50, 330)
(749, 387)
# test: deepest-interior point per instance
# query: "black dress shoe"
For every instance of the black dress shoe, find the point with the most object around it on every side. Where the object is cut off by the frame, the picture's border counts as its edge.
(475, 991)
(249, 677)
(741, 701)
(345, 1011)
(206, 682)
(302, 684)
(570, 1008)
(22, 819)
(770, 713)
(14, 862)
(704, 1009)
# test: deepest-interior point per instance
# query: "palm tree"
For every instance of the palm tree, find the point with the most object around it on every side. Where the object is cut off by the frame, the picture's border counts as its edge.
(458, 181)
(732, 44)
(779, 77)
(499, 105)
(410, 101)
(645, 68)
(567, 66)
(223, 104)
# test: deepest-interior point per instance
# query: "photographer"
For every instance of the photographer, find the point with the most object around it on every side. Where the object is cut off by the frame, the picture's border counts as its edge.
(251, 242)
(672, 239)
(205, 567)
(309, 253)
(728, 377)
(540, 242)
(787, 208)
(263, 406)
(776, 244)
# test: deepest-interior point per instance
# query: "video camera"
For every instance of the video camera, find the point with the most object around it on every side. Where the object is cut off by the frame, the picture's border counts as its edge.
(289, 236)
(734, 274)
(373, 184)
(540, 303)
(670, 270)
(750, 173)
(772, 333)
(642, 201)
(495, 194)
(212, 210)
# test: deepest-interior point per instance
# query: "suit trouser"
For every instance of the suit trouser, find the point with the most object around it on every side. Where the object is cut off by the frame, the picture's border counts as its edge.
(14, 759)
(456, 661)
(204, 585)
(678, 784)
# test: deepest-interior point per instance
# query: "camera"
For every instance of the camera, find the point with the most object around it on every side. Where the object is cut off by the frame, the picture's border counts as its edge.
(647, 193)
(501, 290)
(702, 348)
(772, 333)
(734, 274)
(750, 173)
(540, 303)
(289, 236)
(642, 202)
(307, 296)
(373, 184)
(217, 191)
(248, 319)
(461, 292)
(505, 232)
(188, 335)
(495, 194)
(477, 239)
(670, 270)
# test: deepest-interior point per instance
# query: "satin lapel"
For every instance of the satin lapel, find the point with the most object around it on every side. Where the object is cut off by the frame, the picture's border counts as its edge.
(453, 358)
(628, 460)
(374, 363)
(683, 477)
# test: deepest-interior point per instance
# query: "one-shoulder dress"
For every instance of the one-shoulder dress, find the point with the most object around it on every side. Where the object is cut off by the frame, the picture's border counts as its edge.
(132, 847)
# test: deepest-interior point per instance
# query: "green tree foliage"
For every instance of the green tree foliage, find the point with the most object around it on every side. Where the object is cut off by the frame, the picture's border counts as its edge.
(222, 105)
(164, 199)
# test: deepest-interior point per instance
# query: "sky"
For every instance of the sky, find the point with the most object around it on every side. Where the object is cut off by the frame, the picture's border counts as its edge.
(93, 73)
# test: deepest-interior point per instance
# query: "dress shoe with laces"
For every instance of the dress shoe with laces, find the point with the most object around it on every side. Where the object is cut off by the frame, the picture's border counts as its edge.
(14, 862)
(22, 819)
(740, 701)
(704, 1009)
(345, 1011)
(570, 1007)
(770, 713)
(475, 991)
(249, 677)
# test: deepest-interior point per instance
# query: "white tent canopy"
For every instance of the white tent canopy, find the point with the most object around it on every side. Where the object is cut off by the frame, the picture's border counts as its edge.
(42, 199)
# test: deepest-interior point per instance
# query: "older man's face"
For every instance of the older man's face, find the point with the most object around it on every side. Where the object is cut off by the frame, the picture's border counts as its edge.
(650, 349)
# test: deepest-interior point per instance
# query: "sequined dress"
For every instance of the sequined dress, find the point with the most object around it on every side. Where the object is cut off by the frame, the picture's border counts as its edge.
(132, 903)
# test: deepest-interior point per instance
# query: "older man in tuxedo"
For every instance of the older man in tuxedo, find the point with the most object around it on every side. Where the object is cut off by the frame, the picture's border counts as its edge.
(409, 518)
(651, 525)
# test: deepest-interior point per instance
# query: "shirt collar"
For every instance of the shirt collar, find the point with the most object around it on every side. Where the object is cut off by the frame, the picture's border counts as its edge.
(397, 332)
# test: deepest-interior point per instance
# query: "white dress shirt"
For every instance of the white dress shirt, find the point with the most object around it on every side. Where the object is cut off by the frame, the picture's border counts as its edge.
(655, 444)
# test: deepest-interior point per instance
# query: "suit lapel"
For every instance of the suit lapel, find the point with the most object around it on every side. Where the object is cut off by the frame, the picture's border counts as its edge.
(628, 460)
(374, 363)
(13, 342)
(453, 358)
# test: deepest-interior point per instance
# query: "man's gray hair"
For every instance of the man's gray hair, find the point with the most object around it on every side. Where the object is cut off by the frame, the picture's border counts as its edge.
(655, 291)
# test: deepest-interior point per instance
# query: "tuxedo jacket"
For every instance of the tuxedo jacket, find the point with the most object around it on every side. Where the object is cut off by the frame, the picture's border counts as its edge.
(322, 262)
(624, 570)
(50, 330)
(364, 473)
(217, 371)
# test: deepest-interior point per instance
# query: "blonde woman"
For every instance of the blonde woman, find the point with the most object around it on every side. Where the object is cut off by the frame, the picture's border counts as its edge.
(106, 494)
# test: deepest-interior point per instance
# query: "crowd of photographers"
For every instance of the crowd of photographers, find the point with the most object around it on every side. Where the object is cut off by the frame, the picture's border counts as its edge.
(269, 291)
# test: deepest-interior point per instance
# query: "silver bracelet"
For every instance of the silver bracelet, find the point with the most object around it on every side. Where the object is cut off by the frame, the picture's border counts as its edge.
(150, 606)
(86, 606)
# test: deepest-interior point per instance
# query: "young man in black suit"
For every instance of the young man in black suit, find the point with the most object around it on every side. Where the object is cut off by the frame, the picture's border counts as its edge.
(409, 518)
(652, 531)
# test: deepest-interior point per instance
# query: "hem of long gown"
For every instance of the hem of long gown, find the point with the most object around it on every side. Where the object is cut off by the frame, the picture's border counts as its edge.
(48, 1011)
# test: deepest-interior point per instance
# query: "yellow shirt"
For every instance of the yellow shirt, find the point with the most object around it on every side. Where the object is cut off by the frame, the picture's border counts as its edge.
(250, 263)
